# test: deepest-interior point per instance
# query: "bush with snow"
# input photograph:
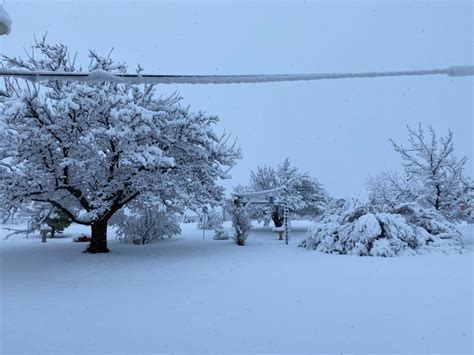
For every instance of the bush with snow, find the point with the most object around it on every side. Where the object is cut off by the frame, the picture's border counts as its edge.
(240, 222)
(220, 234)
(210, 220)
(58, 221)
(145, 226)
(408, 229)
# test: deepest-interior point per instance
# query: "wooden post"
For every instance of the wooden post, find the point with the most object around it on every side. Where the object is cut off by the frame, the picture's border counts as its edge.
(285, 214)
(204, 220)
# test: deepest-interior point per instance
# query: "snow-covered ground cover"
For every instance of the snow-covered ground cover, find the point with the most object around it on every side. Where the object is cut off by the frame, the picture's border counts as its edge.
(187, 294)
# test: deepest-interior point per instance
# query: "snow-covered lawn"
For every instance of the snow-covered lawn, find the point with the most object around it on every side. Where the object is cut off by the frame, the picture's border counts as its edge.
(192, 295)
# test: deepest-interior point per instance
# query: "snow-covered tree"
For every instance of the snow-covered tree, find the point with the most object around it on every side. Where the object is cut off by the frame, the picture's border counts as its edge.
(389, 189)
(305, 196)
(433, 177)
(430, 163)
(89, 149)
(465, 200)
(264, 178)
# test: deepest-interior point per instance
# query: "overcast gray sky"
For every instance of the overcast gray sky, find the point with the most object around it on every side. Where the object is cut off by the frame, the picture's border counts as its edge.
(336, 130)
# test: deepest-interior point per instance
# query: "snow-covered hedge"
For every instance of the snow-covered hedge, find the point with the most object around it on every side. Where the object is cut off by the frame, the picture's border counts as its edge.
(354, 228)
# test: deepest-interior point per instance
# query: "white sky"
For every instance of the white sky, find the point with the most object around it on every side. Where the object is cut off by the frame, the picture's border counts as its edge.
(336, 130)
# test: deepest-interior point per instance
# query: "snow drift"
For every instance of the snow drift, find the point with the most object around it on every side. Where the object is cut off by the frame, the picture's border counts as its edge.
(409, 229)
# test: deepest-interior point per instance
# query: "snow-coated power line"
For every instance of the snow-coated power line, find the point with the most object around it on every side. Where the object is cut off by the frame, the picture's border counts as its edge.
(101, 75)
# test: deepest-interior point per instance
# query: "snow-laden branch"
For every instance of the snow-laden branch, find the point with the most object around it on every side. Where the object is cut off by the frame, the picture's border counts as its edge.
(33, 225)
(101, 75)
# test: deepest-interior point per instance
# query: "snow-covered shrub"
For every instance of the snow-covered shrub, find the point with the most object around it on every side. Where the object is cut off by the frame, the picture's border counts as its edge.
(58, 221)
(210, 220)
(220, 234)
(241, 223)
(408, 229)
(146, 225)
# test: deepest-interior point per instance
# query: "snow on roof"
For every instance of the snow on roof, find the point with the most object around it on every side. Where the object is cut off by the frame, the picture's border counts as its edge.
(5, 22)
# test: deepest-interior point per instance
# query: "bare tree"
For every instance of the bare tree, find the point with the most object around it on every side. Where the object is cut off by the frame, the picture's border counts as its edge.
(430, 163)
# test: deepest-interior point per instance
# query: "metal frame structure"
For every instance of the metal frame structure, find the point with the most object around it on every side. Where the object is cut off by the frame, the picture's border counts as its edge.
(266, 197)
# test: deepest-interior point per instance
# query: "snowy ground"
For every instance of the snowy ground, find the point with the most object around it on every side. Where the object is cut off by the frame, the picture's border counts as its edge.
(192, 295)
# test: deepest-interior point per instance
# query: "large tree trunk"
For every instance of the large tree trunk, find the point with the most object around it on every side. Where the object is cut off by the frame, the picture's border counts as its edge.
(98, 238)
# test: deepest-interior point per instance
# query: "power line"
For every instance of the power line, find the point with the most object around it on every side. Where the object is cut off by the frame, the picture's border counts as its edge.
(101, 75)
